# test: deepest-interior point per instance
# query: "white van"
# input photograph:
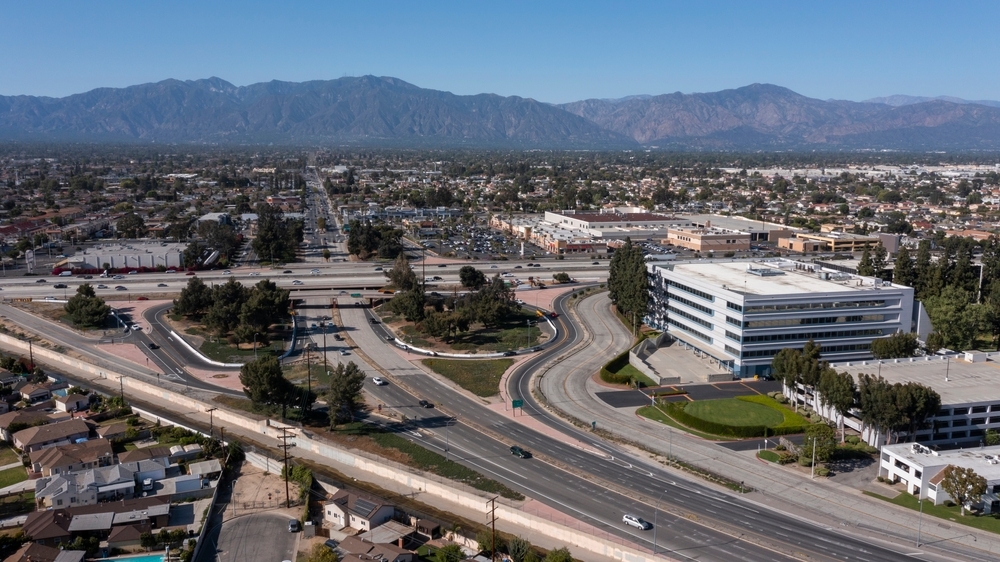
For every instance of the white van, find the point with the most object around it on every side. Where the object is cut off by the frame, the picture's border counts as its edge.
(66, 273)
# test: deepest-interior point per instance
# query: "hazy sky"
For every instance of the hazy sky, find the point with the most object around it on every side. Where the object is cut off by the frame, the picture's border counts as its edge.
(550, 51)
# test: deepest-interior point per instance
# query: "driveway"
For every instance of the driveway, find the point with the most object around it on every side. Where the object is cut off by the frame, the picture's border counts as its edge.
(261, 536)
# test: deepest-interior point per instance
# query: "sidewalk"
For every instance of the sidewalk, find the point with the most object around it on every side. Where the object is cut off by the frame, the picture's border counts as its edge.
(570, 384)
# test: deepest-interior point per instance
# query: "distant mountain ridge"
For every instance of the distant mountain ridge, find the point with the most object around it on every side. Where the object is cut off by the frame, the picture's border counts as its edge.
(385, 111)
(900, 99)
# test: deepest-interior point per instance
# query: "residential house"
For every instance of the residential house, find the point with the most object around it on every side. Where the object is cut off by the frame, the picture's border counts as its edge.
(20, 419)
(386, 552)
(210, 469)
(86, 487)
(49, 528)
(37, 552)
(72, 403)
(50, 435)
(146, 454)
(113, 431)
(125, 536)
(32, 393)
(346, 509)
(73, 457)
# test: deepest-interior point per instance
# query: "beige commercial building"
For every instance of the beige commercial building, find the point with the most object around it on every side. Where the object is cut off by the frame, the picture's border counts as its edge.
(709, 239)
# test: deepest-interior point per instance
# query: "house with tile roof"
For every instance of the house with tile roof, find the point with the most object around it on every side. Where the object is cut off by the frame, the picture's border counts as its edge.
(72, 457)
(50, 435)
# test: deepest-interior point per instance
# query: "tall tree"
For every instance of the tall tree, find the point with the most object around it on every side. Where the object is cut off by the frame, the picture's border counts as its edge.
(346, 382)
(86, 309)
(786, 367)
(277, 237)
(898, 345)
(836, 391)
(195, 298)
(518, 549)
(922, 267)
(401, 276)
(263, 381)
(954, 316)
(471, 277)
(963, 485)
(879, 257)
(865, 266)
(131, 225)
(902, 270)
(823, 438)
(627, 283)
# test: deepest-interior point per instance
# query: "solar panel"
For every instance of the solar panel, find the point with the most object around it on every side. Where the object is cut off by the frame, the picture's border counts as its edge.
(363, 506)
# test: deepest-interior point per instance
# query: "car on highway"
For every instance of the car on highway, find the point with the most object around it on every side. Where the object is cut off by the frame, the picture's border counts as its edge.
(438, 278)
(227, 272)
(296, 282)
(190, 273)
(519, 452)
(493, 267)
(254, 274)
(161, 285)
(344, 352)
(314, 326)
(373, 320)
(509, 353)
(314, 272)
(118, 277)
(41, 281)
(170, 271)
(142, 298)
(136, 327)
(88, 276)
(378, 269)
(133, 272)
(425, 404)
(517, 267)
(530, 264)
(595, 263)
(153, 346)
(102, 286)
(636, 521)
(287, 271)
(121, 288)
(442, 265)
(60, 286)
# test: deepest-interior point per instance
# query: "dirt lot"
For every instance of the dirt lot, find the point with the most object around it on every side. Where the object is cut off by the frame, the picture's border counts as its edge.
(258, 491)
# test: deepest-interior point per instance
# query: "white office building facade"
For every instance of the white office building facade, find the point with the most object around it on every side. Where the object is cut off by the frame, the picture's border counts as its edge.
(743, 313)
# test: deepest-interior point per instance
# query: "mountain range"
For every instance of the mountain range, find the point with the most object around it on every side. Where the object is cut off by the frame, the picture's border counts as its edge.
(384, 111)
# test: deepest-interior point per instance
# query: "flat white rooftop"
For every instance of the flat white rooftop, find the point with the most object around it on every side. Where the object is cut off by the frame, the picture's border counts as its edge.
(735, 277)
(977, 458)
(967, 382)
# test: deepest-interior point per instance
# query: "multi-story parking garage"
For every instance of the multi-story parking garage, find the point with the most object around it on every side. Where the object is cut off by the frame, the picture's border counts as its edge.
(743, 313)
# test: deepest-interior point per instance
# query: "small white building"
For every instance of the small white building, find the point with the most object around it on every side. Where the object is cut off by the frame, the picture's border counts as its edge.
(921, 469)
(350, 510)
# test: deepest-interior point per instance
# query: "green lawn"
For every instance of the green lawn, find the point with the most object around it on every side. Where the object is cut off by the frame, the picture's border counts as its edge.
(770, 456)
(480, 377)
(656, 414)
(951, 512)
(17, 504)
(629, 371)
(12, 476)
(734, 412)
(512, 334)
(791, 418)
(222, 351)
(8, 455)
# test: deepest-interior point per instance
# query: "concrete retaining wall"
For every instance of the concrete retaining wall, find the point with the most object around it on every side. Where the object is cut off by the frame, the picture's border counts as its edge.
(373, 466)
(638, 354)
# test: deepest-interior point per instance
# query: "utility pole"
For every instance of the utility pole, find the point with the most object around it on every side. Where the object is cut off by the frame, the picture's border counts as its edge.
(121, 388)
(211, 425)
(284, 446)
(324, 325)
(309, 386)
(493, 522)
(31, 356)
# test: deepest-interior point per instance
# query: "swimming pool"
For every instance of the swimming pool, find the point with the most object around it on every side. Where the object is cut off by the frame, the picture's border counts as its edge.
(143, 558)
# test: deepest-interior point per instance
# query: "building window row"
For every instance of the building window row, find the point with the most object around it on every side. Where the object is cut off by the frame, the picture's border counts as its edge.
(732, 336)
(781, 322)
(813, 306)
(824, 349)
(982, 409)
(690, 317)
(812, 335)
(692, 304)
(691, 290)
(732, 351)
(734, 321)
(734, 306)
(688, 329)
(962, 422)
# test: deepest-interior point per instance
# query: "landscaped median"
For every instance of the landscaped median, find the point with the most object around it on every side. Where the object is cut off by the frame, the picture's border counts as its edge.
(730, 418)
(479, 376)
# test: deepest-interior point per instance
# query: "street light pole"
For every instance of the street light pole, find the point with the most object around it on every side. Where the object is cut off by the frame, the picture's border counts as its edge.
(656, 513)
(920, 519)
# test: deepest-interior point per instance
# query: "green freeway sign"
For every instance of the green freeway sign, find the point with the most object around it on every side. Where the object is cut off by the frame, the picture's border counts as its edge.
(355, 295)
(517, 403)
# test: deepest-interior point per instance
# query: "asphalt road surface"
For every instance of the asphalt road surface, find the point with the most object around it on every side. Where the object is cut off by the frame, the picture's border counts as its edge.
(260, 537)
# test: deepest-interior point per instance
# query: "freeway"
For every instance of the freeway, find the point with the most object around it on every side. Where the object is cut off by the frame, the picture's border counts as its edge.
(757, 524)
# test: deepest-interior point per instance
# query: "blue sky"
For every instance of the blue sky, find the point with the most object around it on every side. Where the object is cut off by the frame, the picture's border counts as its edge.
(550, 51)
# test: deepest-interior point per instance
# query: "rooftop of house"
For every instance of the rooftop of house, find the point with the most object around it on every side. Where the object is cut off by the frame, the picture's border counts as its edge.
(51, 432)
(358, 505)
(73, 453)
(144, 454)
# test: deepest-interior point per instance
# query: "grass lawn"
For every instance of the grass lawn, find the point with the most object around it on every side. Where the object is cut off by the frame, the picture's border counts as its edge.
(481, 378)
(17, 504)
(297, 374)
(635, 374)
(12, 476)
(769, 456)
(734, 412)
(791, 418)
(512, 334)
(949, 511)
(222, 351)
(656, 414)
(428, 460)
(7, 456)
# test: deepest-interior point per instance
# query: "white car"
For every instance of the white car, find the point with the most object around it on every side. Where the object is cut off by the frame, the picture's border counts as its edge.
(635, 521)
(314, 271)
(296, 282)
(378, 381)
(227, 272)
(136, 327)
(254, 274)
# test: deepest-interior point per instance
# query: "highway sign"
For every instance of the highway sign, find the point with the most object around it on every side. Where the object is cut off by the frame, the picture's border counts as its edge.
(355, 295)
(517, 403)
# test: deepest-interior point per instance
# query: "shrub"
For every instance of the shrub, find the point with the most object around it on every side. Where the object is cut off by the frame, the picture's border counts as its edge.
(786, 457)
(853, 439)
(881, 479)
(609, 372)
(805, 460)
(822, 471)
(779, 447)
